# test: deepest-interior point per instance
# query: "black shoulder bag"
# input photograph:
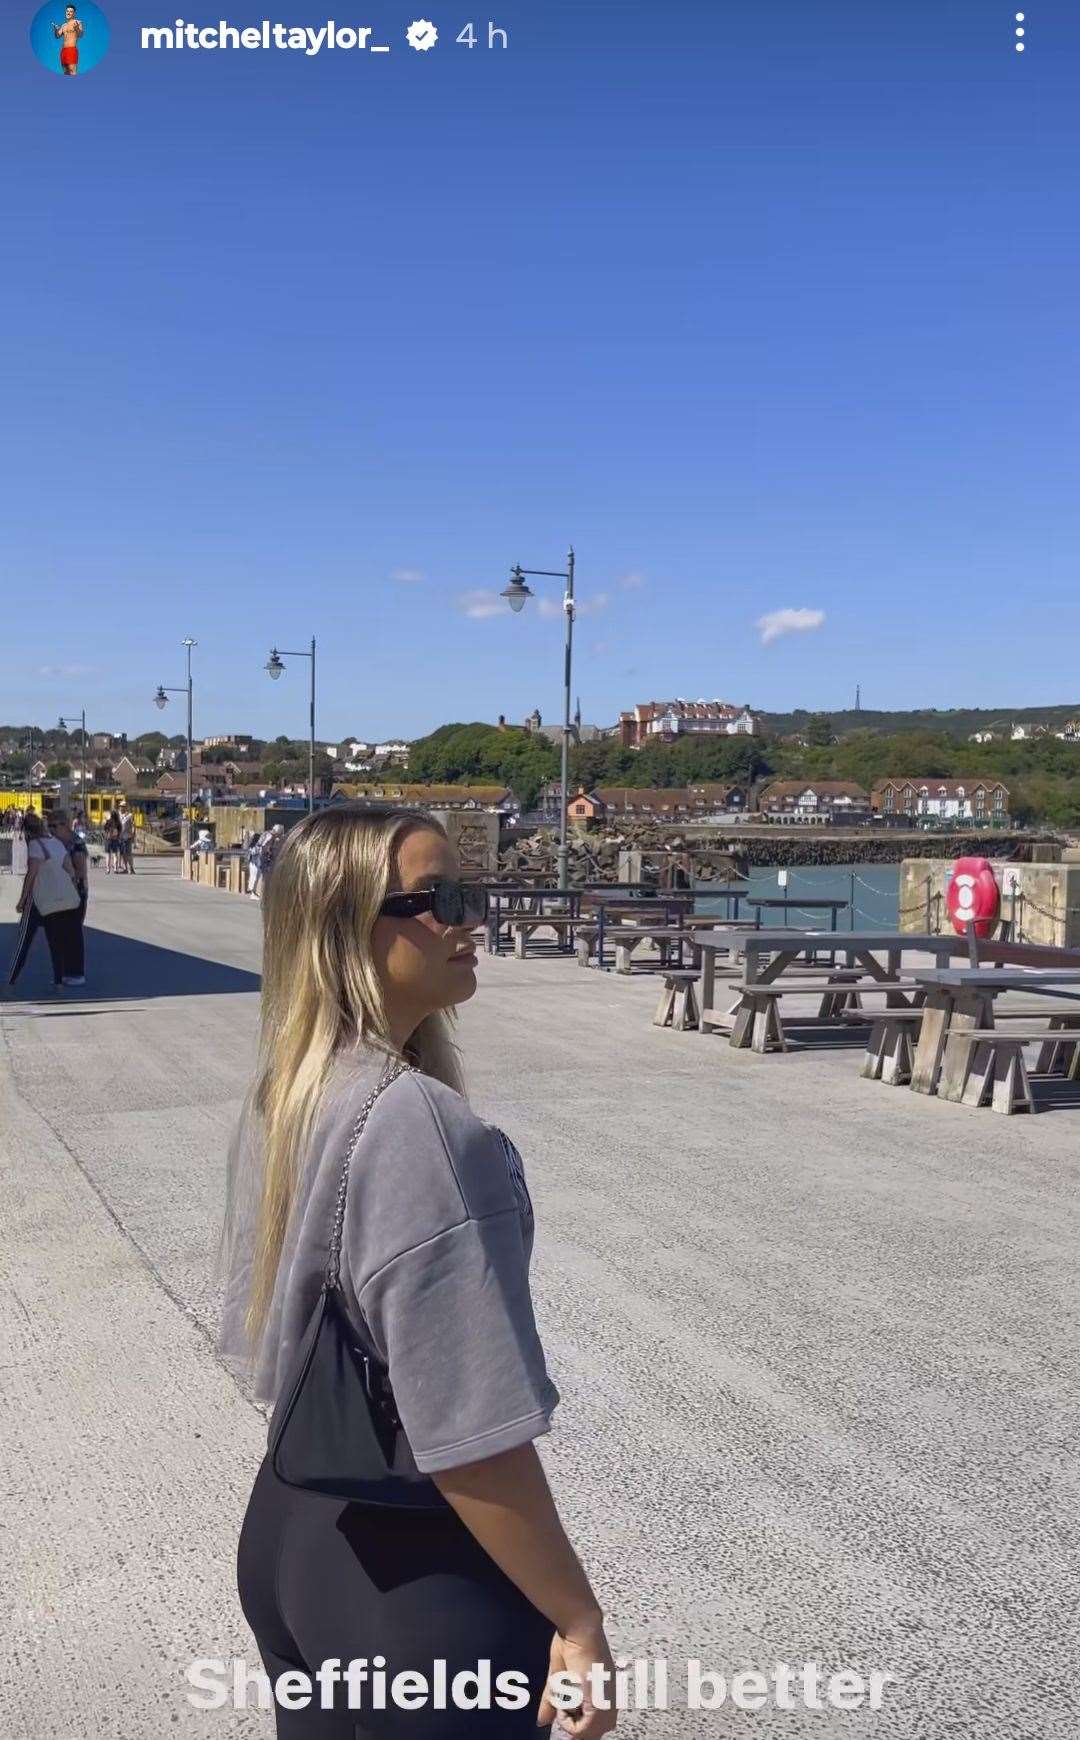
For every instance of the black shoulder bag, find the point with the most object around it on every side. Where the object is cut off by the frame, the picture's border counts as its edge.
(335, 1428)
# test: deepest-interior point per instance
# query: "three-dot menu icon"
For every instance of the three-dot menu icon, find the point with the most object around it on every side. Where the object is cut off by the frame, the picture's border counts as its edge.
(1019, 33)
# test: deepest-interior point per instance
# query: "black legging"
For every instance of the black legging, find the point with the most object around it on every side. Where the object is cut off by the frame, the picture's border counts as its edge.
(319, 1580)
(64, 935)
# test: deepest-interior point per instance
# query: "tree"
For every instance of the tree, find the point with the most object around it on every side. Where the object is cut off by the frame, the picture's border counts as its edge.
(58, 770)
(150, 744)
(819, 731)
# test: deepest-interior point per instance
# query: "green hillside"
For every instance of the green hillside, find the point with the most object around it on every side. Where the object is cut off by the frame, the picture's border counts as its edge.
(955, 721)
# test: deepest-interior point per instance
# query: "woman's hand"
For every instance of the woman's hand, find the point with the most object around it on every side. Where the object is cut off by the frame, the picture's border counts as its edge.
(575, 1652)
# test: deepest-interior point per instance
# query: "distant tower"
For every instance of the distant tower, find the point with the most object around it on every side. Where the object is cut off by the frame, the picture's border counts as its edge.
(577, 716)
(858, 697)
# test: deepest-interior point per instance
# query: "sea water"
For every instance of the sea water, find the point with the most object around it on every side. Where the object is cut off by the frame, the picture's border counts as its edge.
(873, 888)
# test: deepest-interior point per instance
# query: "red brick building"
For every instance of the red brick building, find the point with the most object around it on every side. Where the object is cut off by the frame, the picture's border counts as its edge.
(665, 721)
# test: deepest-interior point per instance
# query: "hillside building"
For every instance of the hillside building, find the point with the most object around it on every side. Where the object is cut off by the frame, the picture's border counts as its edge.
(667, 721)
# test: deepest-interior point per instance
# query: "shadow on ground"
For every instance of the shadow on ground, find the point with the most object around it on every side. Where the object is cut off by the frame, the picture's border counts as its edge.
(120, 968)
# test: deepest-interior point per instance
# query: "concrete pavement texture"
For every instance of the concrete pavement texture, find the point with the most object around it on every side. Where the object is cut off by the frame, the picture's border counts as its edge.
(816, 1340)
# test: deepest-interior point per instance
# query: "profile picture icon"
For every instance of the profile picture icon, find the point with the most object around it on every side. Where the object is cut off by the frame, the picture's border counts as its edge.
(69, 36)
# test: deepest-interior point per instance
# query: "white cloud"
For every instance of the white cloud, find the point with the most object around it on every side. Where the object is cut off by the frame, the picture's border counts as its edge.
(65, 670)
(777, 622)
(632, 582)
(479, 604)
(408, 576)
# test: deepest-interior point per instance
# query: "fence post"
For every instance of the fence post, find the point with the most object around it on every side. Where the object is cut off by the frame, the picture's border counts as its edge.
(928, 898)
(851, 904)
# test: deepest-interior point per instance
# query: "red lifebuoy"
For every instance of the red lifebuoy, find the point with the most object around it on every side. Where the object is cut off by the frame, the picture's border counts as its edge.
(973, 898)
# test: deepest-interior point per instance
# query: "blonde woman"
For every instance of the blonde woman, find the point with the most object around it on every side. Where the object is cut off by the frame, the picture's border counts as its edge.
(369, 943)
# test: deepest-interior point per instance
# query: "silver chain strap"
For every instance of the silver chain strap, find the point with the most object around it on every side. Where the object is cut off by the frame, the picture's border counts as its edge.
(333, 1271)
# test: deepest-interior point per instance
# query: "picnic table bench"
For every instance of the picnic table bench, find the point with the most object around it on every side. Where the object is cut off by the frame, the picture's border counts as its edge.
(959, 1002)
(506, 902)
(753, 1021)
(628, 937)
(667, 911)
(678, 1007)
(522, 926)
(890, 1049)
(991, 1069)
(769, 955)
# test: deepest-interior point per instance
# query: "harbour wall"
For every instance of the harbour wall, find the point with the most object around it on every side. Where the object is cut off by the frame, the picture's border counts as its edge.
(1041, 902)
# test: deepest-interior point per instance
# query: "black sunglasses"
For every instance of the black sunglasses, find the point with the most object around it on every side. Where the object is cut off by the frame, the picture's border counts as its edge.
(453, 903)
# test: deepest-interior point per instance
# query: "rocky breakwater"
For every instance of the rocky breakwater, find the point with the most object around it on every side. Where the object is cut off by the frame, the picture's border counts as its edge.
(664, 857)
(789, 848)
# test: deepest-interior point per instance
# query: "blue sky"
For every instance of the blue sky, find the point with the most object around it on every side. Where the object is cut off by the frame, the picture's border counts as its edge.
(763, 306)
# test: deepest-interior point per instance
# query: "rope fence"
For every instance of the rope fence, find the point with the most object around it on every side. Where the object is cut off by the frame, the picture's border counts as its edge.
(1018, 908)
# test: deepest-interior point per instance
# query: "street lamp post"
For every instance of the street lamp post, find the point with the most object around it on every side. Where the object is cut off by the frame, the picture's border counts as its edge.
(275, 666)
(161, 699)
(67, 725)
(516, 594)
(30, 757)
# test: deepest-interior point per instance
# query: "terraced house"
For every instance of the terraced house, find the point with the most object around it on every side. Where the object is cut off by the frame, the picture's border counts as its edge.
(818, 801)
(975, 800)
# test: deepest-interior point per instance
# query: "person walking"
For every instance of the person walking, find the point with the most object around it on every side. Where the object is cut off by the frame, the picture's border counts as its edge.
(70, 837)
(127, 840)
(48, 901)
(112, 843)
(358, 1166)
(254, 848)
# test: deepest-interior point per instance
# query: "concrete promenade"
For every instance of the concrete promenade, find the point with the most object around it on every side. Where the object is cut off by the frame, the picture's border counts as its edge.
(817, 1342)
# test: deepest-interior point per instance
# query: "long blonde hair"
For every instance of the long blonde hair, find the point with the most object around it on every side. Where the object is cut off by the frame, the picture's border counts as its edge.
(320, 992)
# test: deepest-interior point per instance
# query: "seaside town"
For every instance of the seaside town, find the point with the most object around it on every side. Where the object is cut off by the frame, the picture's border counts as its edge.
(759, 770)
(833, 995)
(540, 874)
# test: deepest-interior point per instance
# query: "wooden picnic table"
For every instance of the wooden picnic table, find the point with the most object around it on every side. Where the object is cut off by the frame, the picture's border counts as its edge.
(787, 902)
(960, 1001)
(523, 926)
(628, 937)
(769, 955)
(734, 897)
(509, 900)
(665, 909)
(525, 901)
(754, 1019)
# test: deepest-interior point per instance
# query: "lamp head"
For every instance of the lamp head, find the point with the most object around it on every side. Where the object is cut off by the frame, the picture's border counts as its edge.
(274, 664)
(161, 699)
(517, 591)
